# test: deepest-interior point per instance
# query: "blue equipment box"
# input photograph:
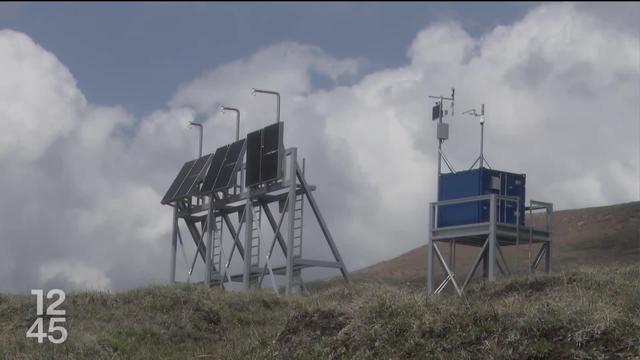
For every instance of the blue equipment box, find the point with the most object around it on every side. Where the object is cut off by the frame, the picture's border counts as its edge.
(476, 182)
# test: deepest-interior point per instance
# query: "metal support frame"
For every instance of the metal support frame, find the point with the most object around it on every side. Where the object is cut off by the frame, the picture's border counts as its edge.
(248, 228)
(174, 245)
(490, 237)
(291, 202)
(223, 204)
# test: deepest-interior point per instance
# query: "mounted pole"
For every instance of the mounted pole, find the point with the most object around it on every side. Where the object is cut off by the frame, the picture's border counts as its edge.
(473, 112)
(191, 123)
(482, 136)
(277, 94)
(222, 110)
(440, 104)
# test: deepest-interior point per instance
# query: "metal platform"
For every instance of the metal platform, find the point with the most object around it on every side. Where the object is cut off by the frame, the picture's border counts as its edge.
(490, 237)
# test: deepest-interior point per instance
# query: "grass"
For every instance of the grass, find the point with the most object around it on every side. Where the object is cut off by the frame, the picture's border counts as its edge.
(591, 313)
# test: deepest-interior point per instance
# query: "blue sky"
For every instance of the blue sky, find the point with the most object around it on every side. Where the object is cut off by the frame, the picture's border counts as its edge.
(136, 54)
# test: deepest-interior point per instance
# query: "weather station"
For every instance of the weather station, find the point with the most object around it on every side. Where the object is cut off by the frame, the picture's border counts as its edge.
(482, 208)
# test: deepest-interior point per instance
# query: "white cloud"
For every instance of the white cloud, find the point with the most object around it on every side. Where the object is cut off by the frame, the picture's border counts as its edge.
(80, 275)
(40, 101)
(84, 181)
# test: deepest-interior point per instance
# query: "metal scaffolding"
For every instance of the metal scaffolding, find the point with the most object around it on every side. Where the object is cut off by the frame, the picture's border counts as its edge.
(207, 221)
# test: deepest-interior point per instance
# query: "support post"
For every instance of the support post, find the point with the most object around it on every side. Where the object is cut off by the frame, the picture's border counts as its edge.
(547, 255)
(492, 240)
(430, 251)
(248, 226)
(452, 256)
(291, 286)
(209, 248)
(485, 263)
(323, 226)
(174, 245)
(547, 258)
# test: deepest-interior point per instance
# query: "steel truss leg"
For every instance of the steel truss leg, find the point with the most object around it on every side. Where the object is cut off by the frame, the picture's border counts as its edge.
(277, 235)
(275, 226)
(430, 251)
(209, 247)
(248, 226)
(492, 240)
(500, 268)
(547, 257)
(504, 260)
(321, 222)
(446, 268)
(174, 245)
(481, 256)
(235, 234)
(538, 257)
(292, 285)
(197, 237)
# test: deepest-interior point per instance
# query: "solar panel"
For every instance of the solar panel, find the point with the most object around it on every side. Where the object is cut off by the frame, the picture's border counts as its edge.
(214, 170)
(264, 155)
(271, 138)
(269, 169)
(254, 154)
(271, 163)
(231, 163)
(196, 174)
(186, 167)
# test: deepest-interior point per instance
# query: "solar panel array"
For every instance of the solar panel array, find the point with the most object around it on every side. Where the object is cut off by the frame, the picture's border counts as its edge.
(186, 183)
(265, 150)
(216, 171)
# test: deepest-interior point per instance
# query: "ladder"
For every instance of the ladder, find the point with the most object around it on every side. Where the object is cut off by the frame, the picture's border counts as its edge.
(298, 216)
(216, 253)
(255, 235)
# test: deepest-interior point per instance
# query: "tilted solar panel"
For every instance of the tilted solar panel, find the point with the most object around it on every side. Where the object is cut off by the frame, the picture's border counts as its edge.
(214, 169)
(177, 182)
(231, 164)
(189, 186)
(264, 155)
(271, 137)
(272, 152)
(254, 155)
(270, 167)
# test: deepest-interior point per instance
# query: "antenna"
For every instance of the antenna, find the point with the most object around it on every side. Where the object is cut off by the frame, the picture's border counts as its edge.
(443, 129)
(474, 113)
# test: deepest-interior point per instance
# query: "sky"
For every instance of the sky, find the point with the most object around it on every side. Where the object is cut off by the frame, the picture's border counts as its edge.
(95, 99)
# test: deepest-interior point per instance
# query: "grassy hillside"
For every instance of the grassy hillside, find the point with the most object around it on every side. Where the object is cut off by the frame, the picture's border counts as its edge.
(584, 314)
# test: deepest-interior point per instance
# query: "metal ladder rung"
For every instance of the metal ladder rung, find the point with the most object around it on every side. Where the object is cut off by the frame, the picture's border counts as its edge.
(255, 235)
(216, 251)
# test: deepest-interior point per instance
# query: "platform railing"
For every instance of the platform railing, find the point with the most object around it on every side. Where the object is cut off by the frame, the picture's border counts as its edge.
(500, 199)
(540, 205)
